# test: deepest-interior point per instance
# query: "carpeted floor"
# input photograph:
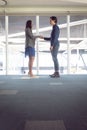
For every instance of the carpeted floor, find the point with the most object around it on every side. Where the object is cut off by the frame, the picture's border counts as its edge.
(45, 125)
(56, 104)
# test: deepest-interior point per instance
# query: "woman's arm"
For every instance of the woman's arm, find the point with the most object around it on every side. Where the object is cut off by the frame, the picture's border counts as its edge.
(30, 34)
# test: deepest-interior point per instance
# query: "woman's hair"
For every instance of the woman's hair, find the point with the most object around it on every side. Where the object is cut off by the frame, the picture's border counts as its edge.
(54, 18)
(29, 24)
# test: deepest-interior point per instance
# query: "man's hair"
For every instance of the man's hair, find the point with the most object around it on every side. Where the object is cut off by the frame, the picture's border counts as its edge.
(54, 18)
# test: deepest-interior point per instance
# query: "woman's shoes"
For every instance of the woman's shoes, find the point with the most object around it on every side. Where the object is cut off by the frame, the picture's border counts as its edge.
(31, 75)
(55, 75)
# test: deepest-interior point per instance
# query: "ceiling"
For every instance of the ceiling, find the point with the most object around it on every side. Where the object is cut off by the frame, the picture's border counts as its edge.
(42, 6)
(45, 2)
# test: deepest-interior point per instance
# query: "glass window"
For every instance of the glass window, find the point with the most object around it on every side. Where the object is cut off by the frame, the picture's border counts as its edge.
(2, 45)
(78, 43)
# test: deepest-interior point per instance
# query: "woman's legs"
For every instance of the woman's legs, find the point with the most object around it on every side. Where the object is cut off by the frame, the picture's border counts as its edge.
(30, 65)
(30, 52)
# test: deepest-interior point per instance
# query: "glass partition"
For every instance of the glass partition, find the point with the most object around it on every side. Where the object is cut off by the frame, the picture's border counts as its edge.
(78, 44)
(2, 45)
(18, 64)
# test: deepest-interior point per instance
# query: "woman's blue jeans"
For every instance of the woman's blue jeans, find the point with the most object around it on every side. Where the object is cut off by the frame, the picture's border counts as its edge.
(54, 54)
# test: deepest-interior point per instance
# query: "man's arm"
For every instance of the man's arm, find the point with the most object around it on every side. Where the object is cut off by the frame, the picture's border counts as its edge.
(47, 38)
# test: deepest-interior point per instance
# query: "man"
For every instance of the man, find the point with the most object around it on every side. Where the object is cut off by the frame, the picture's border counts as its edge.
(54, 45)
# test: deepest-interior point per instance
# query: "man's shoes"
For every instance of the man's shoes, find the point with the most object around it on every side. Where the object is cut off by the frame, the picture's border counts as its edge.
(55, 75)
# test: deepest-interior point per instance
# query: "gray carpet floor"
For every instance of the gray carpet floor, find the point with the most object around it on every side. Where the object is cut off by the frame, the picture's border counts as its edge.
(24, 99)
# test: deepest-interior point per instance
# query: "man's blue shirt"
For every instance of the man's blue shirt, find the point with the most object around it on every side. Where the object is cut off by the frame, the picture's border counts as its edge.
(54, 36)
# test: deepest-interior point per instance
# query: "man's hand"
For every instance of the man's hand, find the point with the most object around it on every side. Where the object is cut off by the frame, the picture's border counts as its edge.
(41, 37)
(51, 48)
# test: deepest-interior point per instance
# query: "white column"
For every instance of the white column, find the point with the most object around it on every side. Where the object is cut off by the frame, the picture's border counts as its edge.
(85, 35)
(6, 36)
(37, 46)
(68, 44)
(77, 67)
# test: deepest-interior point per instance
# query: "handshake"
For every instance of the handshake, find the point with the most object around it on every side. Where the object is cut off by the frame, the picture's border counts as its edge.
(41, 37)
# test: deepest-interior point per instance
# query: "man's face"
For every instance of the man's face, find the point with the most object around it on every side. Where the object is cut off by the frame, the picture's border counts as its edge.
(51, 22)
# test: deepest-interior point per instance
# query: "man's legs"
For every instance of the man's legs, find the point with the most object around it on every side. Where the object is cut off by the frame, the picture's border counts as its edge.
(54, 53)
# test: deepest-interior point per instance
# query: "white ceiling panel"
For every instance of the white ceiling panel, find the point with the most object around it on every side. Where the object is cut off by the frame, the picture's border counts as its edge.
(34, 7)
(45, 2)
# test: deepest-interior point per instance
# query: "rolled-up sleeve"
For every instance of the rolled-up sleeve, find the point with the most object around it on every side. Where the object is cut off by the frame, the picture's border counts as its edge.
(30, 34)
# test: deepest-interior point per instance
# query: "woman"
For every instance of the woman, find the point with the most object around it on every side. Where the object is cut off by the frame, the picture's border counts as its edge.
(54, 45)
(30, 46)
